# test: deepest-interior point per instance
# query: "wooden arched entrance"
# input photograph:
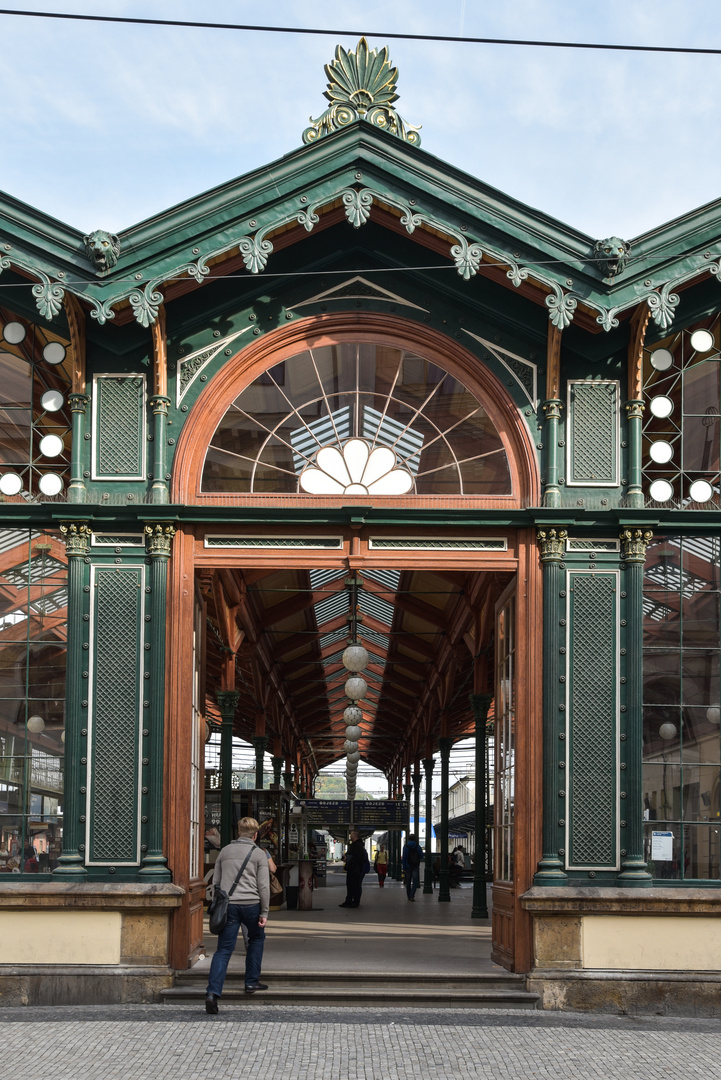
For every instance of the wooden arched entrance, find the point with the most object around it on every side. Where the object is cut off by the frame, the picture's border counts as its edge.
(238, 540)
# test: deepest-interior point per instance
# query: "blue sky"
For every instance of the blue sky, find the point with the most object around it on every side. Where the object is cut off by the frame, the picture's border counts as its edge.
(103, 126)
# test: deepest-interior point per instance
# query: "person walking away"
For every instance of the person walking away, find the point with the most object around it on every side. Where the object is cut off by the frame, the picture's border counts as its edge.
(356, 865)
(248, 905)
(456, 866)
(381, 865)
(411, 861)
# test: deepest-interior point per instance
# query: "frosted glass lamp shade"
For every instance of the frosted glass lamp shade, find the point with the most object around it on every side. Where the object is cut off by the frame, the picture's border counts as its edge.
(713, 715)
(36, 724)
(356, 688)
(667, 731)
(352, 715)
(355, 658)
(350, 746)
(354, 758)
(701, 491)
(353, 733)
(661, 491)
(702, 341)
(661, 359)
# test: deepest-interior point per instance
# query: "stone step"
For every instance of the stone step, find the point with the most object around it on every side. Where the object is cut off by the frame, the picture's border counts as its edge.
(410, 996)
(370, 981)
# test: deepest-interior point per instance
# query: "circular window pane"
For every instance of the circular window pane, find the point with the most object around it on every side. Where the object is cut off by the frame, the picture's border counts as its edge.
(702, 340)
(661, 491)
(51, 483)
(661, 359)
(700, 491)
(52, 400)
(661, 452)
(51, 445)
(661, 406)
(14, 333)
(11, 483)
(54, 352)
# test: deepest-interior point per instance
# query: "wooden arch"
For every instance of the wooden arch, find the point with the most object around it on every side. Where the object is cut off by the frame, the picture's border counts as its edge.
(391, 330)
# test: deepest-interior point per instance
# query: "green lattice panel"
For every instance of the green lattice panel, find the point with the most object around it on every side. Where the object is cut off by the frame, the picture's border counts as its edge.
(114, 729)
(592, 721)
(119, 437)
(594, 436)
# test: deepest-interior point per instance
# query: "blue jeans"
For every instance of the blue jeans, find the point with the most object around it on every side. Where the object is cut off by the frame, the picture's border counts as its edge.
(226, 944)
(413, 880)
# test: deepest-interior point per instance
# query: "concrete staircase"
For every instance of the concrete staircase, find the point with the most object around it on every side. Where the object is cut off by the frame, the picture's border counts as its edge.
(487, 990)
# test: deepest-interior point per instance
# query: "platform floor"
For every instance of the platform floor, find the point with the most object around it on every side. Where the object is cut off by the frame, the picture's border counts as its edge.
(386, 934)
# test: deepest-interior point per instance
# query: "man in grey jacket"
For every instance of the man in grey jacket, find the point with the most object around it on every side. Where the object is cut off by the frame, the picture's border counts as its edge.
(247, 905)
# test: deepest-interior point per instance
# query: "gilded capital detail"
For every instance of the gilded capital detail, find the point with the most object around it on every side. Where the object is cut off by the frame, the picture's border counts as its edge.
(634, 410)
(551, 543)
(159, 539)
(634, 543)
(77, 402)
(552, 408)
(77, 538)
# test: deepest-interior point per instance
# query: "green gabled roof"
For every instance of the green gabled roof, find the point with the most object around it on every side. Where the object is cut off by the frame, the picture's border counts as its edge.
(361, 167)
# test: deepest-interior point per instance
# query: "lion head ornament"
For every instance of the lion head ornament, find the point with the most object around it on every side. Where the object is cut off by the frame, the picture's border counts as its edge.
(103, 249)
(611, 255)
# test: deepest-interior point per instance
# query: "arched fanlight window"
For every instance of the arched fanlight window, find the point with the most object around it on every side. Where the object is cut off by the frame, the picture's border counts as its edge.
(357, 419)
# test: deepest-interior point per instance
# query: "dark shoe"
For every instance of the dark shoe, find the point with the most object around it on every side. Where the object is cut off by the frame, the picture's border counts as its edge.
(251, 989)
(345, 904)
(211, 1004)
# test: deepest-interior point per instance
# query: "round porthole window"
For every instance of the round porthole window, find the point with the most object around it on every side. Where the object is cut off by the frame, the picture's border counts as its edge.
(661, 491)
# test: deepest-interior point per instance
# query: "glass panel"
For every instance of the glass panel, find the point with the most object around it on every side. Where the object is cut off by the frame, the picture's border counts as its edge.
(701, 624)
(661, 734)
(701, 736)
(700, 675)
(700, 388)
(661, 677)
(664, 868)
(701, 852)
(701, 444)
(16, 380)
(662, 792)
(661, 620)
(700, 792)
(15, 430)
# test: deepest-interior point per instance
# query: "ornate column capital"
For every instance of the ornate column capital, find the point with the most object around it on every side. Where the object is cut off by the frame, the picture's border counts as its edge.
(428, 765)
(159, 403)
(77, 402)
(159, 539)
(480, 704)
(634, 543)
(552, 408)
(227, 702)
(417, 778)
(634, 409)
(445, 743)
(77, 537)
(551, 543)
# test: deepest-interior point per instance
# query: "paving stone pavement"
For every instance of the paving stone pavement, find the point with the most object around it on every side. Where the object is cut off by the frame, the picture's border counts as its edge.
(155, 1042)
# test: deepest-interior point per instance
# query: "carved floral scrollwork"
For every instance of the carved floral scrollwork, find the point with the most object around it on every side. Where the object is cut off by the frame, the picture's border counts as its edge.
(145, 303)
(357, 206)
(159, 539)
(255, 251)
(77, 538)
(561, 307)
(552, 543)
(467, 258)
(663, 306)
(49, 298)
(634, 543)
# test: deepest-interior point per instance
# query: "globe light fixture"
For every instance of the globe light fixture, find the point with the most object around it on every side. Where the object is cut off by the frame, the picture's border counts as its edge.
(52, 400)
(661, 491)
(713, 715)
(11, 483)
(36, 724)
(50, 483)
(702, 341)
(356, 688)
(350, 746)
(14, 333)
(667, 731)
(353, 733)
(355, 657)
(354, 758)
(661, 452)
(701, 491)
(54, 353)
(352, 715)
(661, 407)
(661, 359)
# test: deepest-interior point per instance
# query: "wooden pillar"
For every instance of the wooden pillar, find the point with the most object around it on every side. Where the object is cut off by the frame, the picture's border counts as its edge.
(480, 703)
(444, 745)
(227, 703)
(428, 766)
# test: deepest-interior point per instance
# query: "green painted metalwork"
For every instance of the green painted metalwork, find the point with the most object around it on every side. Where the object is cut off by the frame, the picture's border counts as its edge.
(480, 704)
(593, 434)
(634, 413)
(417, 778)
(444, 891)
(227, 703)
(331, 542)
(119, 428)
(159, 489)
(591, 761)
(76, 491)
(117, 613)
(71, 863)
(551, 543)
(634, 871)
(159, 541)
(260, 743)
(552, 412)
(428, 766)
(361, 85)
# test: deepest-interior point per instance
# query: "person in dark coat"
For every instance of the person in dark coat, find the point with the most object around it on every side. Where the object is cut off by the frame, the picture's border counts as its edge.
(411, 860)
(356, 865)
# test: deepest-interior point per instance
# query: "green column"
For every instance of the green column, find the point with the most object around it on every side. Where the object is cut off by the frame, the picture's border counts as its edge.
(417, 804)
(634, 494)
(634, 871)
(227, 703)
(550, 869)
(428, 765)
(277, 769)
(480, 704)
(552, 409)
(444, 892)
(71, 864)
(259, 742)
(159, 540)
(76, 491)
(159, 489)
(288, 780)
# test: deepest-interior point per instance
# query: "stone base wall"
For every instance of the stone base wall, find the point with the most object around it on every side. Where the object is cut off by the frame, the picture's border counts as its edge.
(85, 944)
(650, 993)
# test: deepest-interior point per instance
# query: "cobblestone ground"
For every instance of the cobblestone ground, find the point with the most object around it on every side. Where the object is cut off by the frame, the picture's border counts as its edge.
(294, 1043)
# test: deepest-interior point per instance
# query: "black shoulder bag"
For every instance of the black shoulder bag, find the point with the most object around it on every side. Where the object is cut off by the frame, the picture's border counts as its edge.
(218, 907)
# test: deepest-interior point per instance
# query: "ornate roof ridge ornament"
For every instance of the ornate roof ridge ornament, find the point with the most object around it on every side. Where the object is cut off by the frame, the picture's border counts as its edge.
(361, 86)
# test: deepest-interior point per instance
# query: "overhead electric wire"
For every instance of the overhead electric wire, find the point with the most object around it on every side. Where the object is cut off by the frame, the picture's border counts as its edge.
(318, 31)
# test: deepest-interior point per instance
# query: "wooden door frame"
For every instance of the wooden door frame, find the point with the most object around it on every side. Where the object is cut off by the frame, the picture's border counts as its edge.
(190, 554)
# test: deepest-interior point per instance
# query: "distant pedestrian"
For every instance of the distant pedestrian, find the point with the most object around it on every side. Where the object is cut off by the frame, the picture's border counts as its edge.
(381, 865)
(248, 904)
(411, 860)
(356, 865)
